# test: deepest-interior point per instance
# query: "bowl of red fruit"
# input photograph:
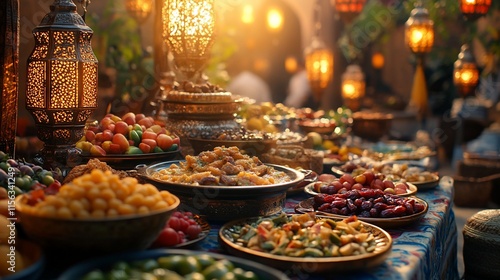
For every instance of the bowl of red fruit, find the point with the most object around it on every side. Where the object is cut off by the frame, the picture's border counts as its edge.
(124, 141)
(330, 184)
(182, 230)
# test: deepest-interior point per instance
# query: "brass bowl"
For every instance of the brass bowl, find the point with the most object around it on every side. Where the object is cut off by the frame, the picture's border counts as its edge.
(94, 236)
(371, 126)
(224, 203)
(321, 126)
(251, 147)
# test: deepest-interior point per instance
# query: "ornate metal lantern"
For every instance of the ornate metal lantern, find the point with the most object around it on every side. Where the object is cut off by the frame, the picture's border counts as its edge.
(419, 31)
(474, 9)
(319, 66)
(62, 80)
(353, 86)
(188, 29)
(139, 9)
(465, 72)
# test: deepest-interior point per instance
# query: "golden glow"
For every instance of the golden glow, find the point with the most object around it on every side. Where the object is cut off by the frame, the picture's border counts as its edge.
(188, 30)
(348, 9)
(378, 60)
(473, 9)
(348, 90)
(247, 15)
(274, 18)
(139, 9)
(353, 82)
(319, 66)
(419, 31)
(61, 76)
(291, 64)
(465, 72)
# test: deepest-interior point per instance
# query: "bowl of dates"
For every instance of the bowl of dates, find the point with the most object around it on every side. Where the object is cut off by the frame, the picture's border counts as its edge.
(372, 206)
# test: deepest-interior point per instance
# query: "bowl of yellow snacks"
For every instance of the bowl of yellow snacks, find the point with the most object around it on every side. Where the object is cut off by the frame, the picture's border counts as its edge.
(95, 214)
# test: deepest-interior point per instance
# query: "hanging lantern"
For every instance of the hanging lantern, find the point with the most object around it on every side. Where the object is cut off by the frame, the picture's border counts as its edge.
(62, 78)
(139, 9)
(348, 9)
(419, 31)
(9, 74)
(353, 86)
(188, 30)
(474, 9)
(465, 72)
(319, 66)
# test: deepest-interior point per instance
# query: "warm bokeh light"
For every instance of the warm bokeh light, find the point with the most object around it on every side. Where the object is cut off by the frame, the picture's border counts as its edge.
(353, 82)
(319, 66)
(378, 60)
(247, 14)
(275, 18)
(465, 72)
(474, 9)
(139, 9)
(348, 9)
(188, 29)
(291, 64)
(419, 31)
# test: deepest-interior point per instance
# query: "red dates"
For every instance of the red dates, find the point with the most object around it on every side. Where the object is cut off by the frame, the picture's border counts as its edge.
(373, 203)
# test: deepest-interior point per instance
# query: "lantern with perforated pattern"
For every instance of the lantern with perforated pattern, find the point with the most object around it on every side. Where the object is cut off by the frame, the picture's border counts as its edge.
(61, 92)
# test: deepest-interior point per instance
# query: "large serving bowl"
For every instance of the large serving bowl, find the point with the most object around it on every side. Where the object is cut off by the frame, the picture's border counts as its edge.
(371, 126)
(104, 263)
(224, 203)
(251, 147)
(94, 236)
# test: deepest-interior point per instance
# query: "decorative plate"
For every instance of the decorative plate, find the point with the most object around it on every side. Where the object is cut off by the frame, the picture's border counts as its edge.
(427, 185)
(309, 264)
(309, 188)
(308, 206)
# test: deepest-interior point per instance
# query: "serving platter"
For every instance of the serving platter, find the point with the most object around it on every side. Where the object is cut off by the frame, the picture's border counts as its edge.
(427, 185)
(80, 270)
(309, 264)
(307, 205)
(309, 189)
(224, 203)
(420, 185)
(129, 162)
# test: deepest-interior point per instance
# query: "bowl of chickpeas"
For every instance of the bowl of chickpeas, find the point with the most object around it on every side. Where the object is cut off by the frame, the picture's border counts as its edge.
(95, 214)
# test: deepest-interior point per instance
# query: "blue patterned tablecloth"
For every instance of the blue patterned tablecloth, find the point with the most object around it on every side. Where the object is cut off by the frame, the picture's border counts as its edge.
(424, 250)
